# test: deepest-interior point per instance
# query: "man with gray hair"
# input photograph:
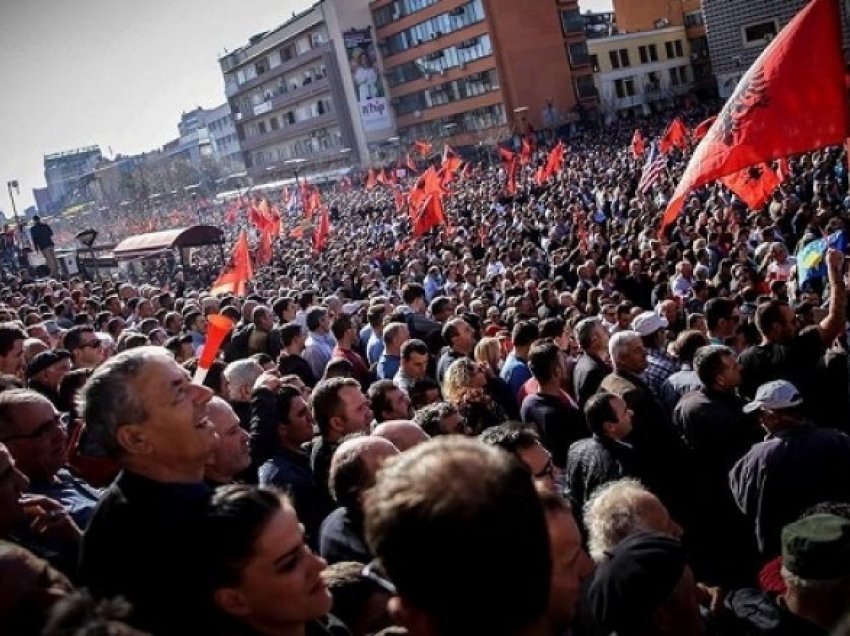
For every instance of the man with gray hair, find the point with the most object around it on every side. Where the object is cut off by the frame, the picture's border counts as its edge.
(141, 409)
(240, 377)
(591, 367)
(320, 342)
(620, 509)
(656, 443)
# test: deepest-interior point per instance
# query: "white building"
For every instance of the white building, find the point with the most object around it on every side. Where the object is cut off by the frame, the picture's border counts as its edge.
(641, 71)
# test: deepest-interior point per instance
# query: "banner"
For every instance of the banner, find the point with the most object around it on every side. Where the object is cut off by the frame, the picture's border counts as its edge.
(368, 83)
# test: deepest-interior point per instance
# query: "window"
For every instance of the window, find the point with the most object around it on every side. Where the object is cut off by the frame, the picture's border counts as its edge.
(653, 53)
(614, 56)
(694, 19)
(760, 33)
(668, 47)
(572, 21)
(680, 52)
(674, 76)
(260, 67)
(594, 63)
(578, 55)
(261, 127)
(644, 56)
(274, 123)
(584, 86)
(624, 87)
(683, 74)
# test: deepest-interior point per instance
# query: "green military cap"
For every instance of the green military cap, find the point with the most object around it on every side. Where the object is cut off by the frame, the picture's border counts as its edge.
(817, 547)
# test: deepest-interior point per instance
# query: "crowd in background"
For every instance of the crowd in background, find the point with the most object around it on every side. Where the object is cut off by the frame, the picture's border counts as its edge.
(542, 417)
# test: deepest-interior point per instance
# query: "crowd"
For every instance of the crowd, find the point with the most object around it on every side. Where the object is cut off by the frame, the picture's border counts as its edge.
(543, 417)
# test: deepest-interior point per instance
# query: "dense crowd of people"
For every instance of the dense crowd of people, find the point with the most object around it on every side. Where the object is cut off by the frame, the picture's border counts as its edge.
(543, 417)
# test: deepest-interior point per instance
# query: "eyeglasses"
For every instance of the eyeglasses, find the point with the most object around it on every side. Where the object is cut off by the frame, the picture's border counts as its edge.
(547, 471)
(94, 344)
(373, 572)
(59, 421)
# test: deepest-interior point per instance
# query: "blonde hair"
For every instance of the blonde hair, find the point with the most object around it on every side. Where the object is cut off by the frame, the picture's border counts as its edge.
(485, 348)
(458, 379)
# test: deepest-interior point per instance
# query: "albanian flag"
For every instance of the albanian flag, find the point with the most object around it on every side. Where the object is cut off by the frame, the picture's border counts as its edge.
(638, 144)
(792, 100)
(237, 272)
(753, 185)
(675, 135)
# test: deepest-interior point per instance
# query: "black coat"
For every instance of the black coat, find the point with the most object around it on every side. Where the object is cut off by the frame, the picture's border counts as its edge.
(595, 461)
(143, 543)
(588, 373)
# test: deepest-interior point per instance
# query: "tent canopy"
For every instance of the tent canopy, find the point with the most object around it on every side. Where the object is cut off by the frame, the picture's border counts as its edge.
(156, 243)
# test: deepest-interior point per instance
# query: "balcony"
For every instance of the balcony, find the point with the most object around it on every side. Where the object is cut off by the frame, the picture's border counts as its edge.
(283, 99)
(287, 132)
(578, 60)
(284, 67)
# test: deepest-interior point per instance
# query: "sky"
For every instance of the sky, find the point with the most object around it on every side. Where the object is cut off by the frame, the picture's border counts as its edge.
(115, 73)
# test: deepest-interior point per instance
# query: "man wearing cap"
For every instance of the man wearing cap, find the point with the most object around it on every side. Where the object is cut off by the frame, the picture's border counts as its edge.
(660, 365)
(816, 572)
(645, 586)
(796, 467)
(45, 372)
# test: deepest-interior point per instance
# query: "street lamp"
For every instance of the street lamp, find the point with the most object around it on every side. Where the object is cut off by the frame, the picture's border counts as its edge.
(87, 238)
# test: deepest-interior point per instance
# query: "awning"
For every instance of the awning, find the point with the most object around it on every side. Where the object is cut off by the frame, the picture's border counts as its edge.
(156, 243)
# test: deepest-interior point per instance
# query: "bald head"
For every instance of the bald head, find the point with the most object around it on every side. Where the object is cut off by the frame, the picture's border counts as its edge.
(403, 434)
(354, 465)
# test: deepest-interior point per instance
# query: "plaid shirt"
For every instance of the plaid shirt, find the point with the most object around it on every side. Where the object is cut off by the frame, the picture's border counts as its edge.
(660, 366)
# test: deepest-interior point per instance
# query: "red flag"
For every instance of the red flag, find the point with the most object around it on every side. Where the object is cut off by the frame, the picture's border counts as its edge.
(232, 211)
(237, 272)
(525, 152)
(675, 135)
(381, 177)
(423, 148)
(772, 113)
(506, 155)
(264, 249)
(371, 180)
(320, 236)
(702, 128)
(753, 185)
(638, 143)
(426, 206)
(509, 162)
(411, 164)
(554, 163)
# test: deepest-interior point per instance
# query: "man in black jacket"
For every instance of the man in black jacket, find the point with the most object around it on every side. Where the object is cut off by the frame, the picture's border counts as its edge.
(42, 239)
(604, 457)
(717, 433)
(590, 368)
(142, 542)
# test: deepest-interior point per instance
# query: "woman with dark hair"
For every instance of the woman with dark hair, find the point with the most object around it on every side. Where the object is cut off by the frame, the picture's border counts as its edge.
(281, 423)
(261, 576)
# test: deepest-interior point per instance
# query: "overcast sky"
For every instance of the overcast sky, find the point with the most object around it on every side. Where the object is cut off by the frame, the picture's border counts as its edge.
(111, 72)
(116, 73)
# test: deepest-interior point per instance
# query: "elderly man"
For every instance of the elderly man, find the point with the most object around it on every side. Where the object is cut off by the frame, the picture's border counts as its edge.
(240, 377)
(35, 434)
(141, 409)
(45, 373)
(656, 444)
(591, 367)
(420, 530)
(660, 365)
(403, 434)
(394, 336)
(232, 453)
(353, 468)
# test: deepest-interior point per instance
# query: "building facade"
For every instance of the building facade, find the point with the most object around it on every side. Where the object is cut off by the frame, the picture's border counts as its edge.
(310, 91)
(468, 72)
(648, 15)
(739, 30)
(207, 135)
(641, 72)
(68, 177)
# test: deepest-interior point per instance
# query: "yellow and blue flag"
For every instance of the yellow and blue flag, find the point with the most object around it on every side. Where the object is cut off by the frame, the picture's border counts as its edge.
(810, 259)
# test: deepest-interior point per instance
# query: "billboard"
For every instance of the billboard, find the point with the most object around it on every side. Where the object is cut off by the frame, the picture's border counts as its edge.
(368, 84)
